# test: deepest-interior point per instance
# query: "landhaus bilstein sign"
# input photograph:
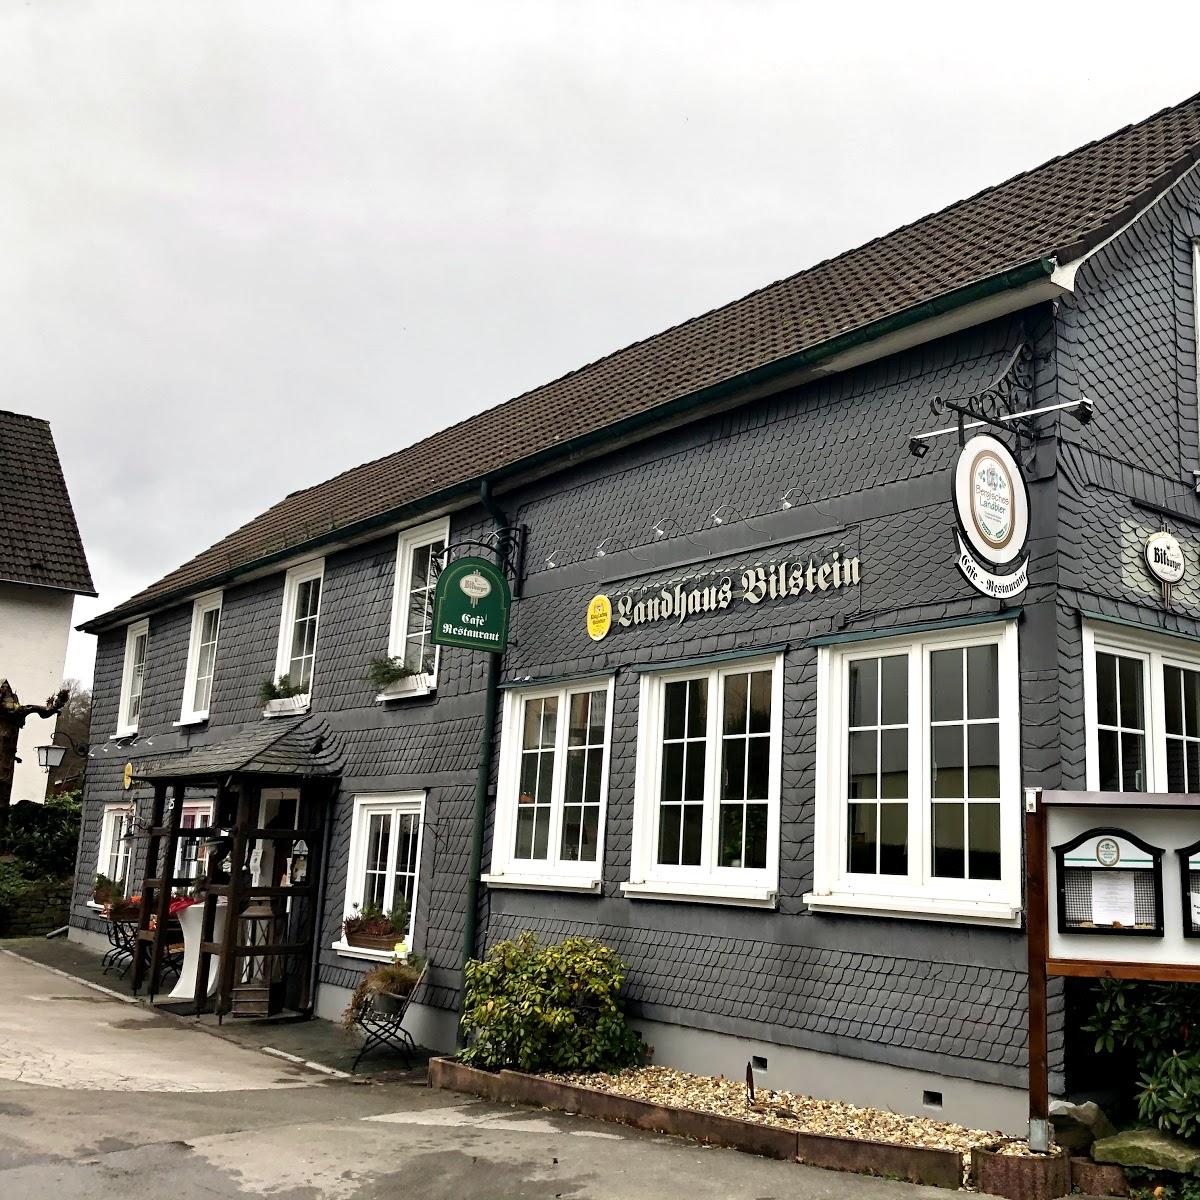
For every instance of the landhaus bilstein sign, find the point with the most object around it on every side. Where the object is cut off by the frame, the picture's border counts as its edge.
(471, 605)
(773, 581)
(992, 506)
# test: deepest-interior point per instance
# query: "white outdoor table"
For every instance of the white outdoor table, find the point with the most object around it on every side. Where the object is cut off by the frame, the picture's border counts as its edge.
(190, 920)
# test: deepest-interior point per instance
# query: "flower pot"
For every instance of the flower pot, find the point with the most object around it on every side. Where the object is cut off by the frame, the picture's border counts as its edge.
(372, 941)
(1021, 1177)
(124, 911)
(387, 1002)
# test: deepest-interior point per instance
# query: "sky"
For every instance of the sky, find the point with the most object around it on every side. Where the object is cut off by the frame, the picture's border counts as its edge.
(249, 245)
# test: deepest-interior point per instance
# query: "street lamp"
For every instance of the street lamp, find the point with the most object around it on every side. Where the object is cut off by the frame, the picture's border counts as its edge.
(50, 758)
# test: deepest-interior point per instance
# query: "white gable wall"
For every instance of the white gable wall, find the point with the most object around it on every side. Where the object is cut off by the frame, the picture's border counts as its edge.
(34, 624)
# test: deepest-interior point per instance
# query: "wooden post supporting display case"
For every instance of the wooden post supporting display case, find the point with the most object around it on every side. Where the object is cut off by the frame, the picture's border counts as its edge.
(1150, 943)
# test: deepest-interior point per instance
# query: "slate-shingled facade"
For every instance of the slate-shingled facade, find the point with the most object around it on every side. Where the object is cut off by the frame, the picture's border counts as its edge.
(884, 1002)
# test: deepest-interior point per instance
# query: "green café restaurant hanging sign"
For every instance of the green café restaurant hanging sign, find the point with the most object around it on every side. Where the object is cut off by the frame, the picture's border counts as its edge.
(470, 606)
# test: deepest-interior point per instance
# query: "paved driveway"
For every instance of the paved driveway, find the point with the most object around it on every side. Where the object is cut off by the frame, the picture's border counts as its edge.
(101, 1100)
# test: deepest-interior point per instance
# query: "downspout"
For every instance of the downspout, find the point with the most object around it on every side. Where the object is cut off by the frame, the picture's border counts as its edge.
(482, 778)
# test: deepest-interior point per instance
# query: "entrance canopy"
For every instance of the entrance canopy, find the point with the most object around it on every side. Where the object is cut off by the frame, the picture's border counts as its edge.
(292, 748)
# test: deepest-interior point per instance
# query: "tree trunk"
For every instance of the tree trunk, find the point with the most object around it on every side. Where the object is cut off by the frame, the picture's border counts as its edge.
(13, 715)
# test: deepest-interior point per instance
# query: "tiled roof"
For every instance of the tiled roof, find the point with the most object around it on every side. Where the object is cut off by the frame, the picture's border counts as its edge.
(39, 539)
(289, 746)
(1060, 209)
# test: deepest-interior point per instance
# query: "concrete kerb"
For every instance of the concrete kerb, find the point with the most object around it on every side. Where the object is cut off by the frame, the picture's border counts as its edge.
(142, 1002)
(938, 1168)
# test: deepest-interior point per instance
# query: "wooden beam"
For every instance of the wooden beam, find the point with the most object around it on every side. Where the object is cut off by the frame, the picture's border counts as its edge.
(247, 811)
(1076, 968)
(163, 894)
(149, 869)
(1037, 917)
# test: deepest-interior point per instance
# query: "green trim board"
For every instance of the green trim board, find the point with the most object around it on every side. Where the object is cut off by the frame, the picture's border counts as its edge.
(538, 681)
(867, 635)
(704, 660)
(471, 606)
(1141, 626)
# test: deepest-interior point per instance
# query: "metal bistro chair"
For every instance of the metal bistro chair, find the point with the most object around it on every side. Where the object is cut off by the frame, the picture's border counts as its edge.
(384, 1027)
(122, 937)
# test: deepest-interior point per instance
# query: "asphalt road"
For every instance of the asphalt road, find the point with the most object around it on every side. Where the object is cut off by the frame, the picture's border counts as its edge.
(101, 1100)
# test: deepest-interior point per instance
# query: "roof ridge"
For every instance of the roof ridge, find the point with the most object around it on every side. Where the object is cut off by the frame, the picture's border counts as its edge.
(8, 412)
(766, 287)
(988, 235)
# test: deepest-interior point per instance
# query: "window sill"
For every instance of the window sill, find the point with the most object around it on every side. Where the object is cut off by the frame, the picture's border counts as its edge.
(702, 893)
(414, 685)
(122, 734)
(973, 912)
(345, 950)
(187, 722)
(286, 706)
(541, 883)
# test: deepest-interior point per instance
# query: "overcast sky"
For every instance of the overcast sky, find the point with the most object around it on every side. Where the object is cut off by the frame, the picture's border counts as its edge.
(246, 245)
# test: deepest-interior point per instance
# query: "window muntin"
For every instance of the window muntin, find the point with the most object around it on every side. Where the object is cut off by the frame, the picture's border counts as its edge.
(190, 853)
(133, 678)
(553, 781)
(420, 554)
(708, 781)
(918, 776)
(877, 765)
(385, 853)
(304, 633)
(1120, 722)
(114, 857)
(1181, 695)
(296, 657)
(1142, 705)
(202, 657)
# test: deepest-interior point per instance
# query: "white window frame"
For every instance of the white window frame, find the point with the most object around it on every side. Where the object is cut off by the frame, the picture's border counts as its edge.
(364, 805)
(706, 883)
(111, 816)
(554, 872)
(189, 714)
(125, 726)
(1155, 651)
(314, 569)
(202, 813)
(407, 543)
(918, 894)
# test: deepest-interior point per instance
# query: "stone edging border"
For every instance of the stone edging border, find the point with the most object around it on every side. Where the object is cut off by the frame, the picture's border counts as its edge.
(916, 1164)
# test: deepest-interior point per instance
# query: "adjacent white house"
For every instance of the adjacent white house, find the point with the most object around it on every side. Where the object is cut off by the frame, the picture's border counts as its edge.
(42, 569)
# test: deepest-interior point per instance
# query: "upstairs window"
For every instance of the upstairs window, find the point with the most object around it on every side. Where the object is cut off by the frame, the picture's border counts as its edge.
(706, 802)
(202, 658)
(297, 654)
(552, 787)
(420, 554)
(133, 677)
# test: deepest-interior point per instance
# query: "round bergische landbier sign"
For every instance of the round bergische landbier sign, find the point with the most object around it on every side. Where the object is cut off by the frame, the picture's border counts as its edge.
(1164, 557)
(599, 617)
(991, 501)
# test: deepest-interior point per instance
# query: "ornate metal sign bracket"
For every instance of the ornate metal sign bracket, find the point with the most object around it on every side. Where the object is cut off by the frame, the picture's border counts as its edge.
(507, 546)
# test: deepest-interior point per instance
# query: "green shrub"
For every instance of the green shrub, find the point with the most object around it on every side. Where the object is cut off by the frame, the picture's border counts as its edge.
(548, 1008)
(44, 837)
(13, 887)
(1159, 1023)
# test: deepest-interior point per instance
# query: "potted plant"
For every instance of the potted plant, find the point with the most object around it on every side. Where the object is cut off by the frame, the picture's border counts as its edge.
(108, 893)
(386, 988)
(123, 908)
(385, 674)
(280, 695)
(370, 928)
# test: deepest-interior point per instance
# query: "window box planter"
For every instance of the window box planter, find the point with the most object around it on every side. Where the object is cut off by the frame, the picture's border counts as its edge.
(285, 706)
(124, 911)
(1021, 1177)
(420, 684)
(374, 941)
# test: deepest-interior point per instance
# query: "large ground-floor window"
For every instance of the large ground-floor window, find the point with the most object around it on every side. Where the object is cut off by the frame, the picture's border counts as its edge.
(918, 779)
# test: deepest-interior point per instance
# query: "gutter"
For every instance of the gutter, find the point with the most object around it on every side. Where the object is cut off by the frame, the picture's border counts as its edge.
(483, 779)
(455, 496)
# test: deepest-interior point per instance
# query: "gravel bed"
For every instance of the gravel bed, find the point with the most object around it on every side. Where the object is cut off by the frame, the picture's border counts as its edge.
(727, 1098)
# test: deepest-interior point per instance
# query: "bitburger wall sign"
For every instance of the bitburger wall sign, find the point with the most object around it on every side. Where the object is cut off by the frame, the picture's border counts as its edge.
(773, 581)
(991, 503)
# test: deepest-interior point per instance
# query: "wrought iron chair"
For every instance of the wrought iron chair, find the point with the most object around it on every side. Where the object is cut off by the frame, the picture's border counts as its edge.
(122, 937)
(384, 1027)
